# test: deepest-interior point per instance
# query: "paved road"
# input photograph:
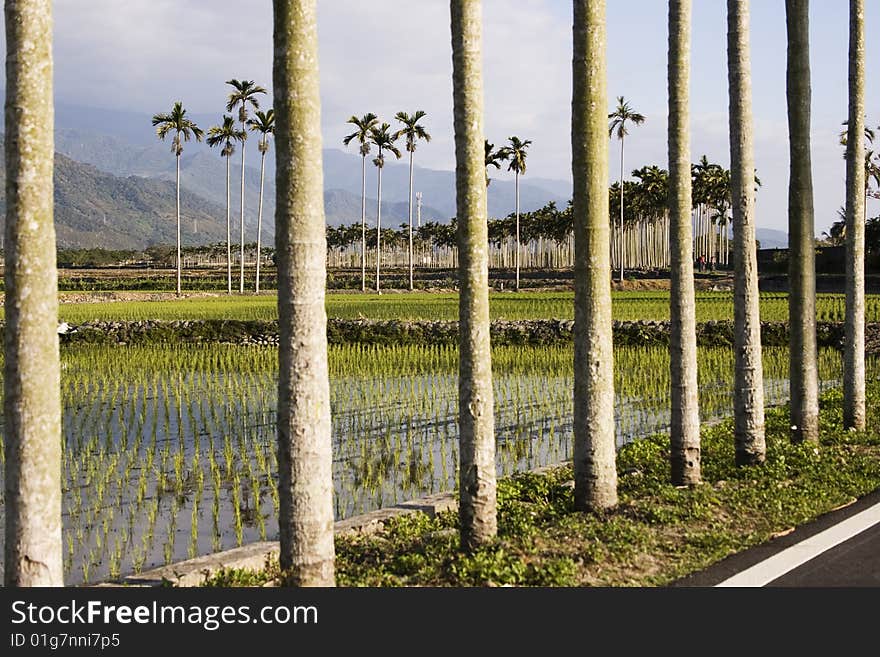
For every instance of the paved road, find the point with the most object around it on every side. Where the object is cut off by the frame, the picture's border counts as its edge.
(855, 562)
(839, 549)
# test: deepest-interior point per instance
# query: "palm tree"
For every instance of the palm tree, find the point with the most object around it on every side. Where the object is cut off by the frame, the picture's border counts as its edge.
(182, 127)
(515, 151)
(872, 169)
(305, 458)
(226, 135)
(803, 368)
(245, 93)
(413, 132)
(477, 494)
(264, 123)
(362, 134)
(854, 352)
(31, 377)
(622, 115)
(493, 158)
(685, 420)
(383, 140)
(749, 375)
(595, 470)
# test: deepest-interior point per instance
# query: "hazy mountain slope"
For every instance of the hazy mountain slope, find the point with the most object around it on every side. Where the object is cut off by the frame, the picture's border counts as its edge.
(96, 209)
(125, 143)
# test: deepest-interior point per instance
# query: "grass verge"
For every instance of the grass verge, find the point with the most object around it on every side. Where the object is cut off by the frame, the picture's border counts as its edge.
(657, 534)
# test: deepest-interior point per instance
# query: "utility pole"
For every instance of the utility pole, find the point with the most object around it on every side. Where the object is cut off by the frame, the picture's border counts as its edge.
(419, 209)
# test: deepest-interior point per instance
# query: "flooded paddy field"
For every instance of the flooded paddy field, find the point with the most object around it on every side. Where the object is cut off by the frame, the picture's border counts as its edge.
(169, 451)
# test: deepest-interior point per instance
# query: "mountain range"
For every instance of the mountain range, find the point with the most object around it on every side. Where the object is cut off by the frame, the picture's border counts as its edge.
(115, 186)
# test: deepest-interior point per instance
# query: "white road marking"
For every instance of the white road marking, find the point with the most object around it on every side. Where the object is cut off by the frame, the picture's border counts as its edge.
(780, 563)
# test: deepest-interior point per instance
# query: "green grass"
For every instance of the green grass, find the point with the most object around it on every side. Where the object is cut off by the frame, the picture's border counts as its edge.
(426, 306)
(657, 534)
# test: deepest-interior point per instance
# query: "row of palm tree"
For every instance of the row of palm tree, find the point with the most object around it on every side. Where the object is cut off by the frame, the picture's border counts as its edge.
(619, 118)
(226, 135)
(643, 242)
(369, 131)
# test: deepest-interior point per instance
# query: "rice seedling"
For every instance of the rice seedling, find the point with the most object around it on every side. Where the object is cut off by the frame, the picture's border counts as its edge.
(148, 429)
(631, 305)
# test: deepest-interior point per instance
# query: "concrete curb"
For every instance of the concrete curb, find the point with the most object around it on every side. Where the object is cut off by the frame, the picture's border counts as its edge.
(254, 556)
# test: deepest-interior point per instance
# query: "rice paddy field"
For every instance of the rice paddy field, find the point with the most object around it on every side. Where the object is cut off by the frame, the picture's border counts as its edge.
(169, 450)
(425, 306)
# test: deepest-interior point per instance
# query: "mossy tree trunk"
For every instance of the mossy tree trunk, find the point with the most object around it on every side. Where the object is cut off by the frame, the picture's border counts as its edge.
(477, 497)
(32, 402)
(748, 394)
(305, 477)
(803, 368)
(685, 420)
(854, 350)
(595, 449)
(228, 233)
(243, 116)
(260, 216)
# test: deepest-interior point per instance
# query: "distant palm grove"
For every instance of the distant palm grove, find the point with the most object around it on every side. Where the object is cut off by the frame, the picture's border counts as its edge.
(676, 217)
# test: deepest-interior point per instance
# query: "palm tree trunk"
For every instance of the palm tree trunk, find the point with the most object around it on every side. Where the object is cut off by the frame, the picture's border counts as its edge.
(595, 470)
(803, 368)
(685, 420)
(516, 184)
(621, 208)
(854, 351)
(228, 232)
(477, 496)
(241, 251)
(363, 223)
(749, 375)
(179, 267)
(410, 220)
(32, 402)
(305, 475)
(260, 221)
(379, 226)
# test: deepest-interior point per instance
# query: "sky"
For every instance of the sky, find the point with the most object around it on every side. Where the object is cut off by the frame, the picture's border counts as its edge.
(390, 55)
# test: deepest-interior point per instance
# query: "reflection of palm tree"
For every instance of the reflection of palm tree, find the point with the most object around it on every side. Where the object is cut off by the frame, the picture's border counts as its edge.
(244, 93)
(622, 115)
(226, 134)
(362, 135)
(264, 123)
(515, 151)
(177, 123)
(383, 140)
(413, 132)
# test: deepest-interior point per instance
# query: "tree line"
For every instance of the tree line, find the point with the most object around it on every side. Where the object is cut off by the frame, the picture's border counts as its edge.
(225, 135)
(32, 401)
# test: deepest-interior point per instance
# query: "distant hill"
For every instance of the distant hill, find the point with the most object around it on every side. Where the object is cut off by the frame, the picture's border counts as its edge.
(124, 143)
(129, 162)
(771, 239)
(94, 208)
